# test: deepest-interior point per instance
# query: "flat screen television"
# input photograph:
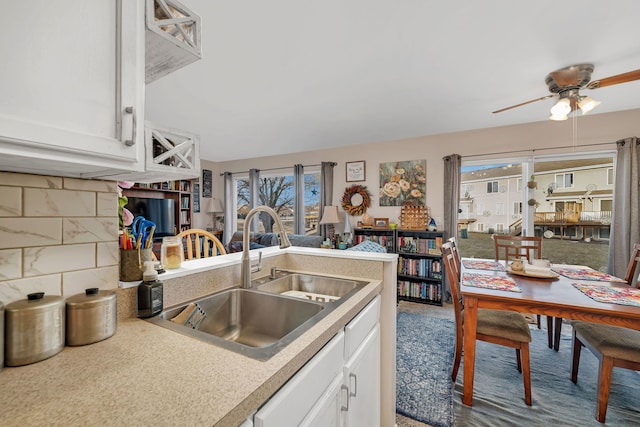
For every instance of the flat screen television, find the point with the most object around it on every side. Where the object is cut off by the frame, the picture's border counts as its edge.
(161, 211)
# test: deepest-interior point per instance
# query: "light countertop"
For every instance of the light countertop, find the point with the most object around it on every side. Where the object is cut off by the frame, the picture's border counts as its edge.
(148, 375)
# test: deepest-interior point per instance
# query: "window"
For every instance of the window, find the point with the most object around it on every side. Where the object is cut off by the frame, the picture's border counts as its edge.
(517, 208)
(277, 192)
(500, 208)
(610, 176)
(480, 226)
(564, 180)
(499, 227)
(492, 187)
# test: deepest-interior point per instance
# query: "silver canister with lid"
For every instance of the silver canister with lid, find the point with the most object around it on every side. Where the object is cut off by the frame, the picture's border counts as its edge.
(34, 329)
(91, 316)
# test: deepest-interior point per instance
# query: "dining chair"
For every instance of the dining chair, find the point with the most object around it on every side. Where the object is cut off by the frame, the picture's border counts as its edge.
(457, 259)
(198, 242)
(613, 346)
(499, 327)
(509, 247)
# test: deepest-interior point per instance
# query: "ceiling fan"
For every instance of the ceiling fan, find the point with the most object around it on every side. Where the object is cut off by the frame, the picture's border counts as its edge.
(567, 82)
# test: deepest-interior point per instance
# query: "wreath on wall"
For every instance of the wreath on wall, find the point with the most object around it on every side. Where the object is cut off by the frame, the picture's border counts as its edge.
(347, 200)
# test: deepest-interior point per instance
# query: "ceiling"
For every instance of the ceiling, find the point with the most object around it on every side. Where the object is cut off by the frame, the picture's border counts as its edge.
(285, 76)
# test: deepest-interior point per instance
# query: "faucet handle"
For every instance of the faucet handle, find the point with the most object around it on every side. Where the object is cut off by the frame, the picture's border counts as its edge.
(257, 266)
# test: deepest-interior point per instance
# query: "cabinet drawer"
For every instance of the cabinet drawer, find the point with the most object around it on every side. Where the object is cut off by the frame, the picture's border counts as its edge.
(296, 398)
(358, 329)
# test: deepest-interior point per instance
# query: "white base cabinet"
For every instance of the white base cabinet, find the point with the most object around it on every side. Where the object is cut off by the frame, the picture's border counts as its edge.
(362, 381)
(340, 386)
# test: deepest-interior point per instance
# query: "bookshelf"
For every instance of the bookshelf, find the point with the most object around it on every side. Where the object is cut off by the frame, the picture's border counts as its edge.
(420, 268)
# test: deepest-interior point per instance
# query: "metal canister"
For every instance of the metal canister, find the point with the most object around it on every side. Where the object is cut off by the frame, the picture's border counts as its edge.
(34, 329)
(91, 316)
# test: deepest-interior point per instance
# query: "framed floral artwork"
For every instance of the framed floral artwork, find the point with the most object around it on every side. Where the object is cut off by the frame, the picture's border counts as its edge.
(403, 183)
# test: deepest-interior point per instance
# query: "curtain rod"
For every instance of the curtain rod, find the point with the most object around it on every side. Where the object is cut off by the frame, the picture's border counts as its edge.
(533, 150)
(271, 169)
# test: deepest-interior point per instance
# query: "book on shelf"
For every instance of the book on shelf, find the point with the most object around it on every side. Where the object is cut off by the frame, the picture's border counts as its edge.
(410, 244)
(419, 290)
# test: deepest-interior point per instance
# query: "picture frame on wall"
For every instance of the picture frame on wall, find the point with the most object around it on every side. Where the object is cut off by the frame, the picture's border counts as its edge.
(207, 182)
(196, 197)
(356, 171)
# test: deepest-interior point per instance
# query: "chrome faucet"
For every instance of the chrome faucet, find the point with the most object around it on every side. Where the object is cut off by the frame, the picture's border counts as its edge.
(245, 273)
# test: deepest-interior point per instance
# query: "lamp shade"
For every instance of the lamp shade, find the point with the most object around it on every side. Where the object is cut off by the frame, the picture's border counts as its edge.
(587, 104)
(330, 215)
(215, 206)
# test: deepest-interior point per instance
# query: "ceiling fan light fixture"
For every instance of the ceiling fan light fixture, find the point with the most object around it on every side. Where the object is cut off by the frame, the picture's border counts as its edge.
(587, 104)
(561, 108)
(558, 117)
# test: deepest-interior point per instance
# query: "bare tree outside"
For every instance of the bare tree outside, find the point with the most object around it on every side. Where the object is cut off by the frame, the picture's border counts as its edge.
(277, 192)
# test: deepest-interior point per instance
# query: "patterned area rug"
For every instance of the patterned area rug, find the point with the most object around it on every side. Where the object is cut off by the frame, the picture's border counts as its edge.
(425, 348)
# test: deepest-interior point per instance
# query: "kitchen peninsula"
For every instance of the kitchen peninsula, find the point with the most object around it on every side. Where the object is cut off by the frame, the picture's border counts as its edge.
(147, 374)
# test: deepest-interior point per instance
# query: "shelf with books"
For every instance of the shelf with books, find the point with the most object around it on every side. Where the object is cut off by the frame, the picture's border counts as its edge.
(385, 238)
(420, 269)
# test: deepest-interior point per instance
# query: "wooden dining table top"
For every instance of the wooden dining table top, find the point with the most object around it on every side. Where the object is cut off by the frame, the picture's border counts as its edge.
(554, 297)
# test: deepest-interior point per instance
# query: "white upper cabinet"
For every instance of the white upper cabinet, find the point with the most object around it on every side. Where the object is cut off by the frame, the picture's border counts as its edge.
(72, 87)
(172, 39)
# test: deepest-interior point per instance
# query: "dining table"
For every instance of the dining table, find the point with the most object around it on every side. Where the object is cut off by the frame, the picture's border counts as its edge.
(562, 293)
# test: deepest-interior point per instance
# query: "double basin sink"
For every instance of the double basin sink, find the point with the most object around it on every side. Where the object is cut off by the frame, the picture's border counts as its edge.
(259, 322)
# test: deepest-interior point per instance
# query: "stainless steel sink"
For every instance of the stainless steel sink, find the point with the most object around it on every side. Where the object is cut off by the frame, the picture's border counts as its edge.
(309, 286)
(261, 321)
(250, 322)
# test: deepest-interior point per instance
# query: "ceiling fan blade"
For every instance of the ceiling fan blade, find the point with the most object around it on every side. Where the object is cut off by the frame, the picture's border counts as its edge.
(614, 80)
(523, 103)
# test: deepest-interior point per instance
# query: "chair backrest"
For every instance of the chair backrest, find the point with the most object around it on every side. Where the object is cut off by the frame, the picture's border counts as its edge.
(456, 253)
(197, 243)
(453, 275)
(512, 247)
(633, 264)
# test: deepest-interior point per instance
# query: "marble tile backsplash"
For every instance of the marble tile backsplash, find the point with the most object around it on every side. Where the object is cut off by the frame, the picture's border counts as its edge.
(57, 235)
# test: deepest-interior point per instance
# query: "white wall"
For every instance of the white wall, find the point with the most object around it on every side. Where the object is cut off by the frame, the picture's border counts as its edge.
(542, 137)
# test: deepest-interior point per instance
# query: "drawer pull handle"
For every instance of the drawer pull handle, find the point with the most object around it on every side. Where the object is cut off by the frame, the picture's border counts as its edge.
(355, 384)
(344, 388)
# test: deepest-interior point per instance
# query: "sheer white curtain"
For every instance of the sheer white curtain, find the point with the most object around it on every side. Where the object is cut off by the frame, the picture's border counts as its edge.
(625, 226)
(451, 204)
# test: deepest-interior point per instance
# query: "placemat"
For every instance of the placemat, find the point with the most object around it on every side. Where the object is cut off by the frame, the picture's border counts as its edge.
(490, 281)
(622, 296)
(586, 274)
(478, 264)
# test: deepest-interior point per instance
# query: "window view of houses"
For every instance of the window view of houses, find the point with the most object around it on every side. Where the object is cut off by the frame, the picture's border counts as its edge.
(570, 202)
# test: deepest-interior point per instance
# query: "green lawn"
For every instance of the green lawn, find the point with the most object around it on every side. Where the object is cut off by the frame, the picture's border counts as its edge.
(593, 254)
